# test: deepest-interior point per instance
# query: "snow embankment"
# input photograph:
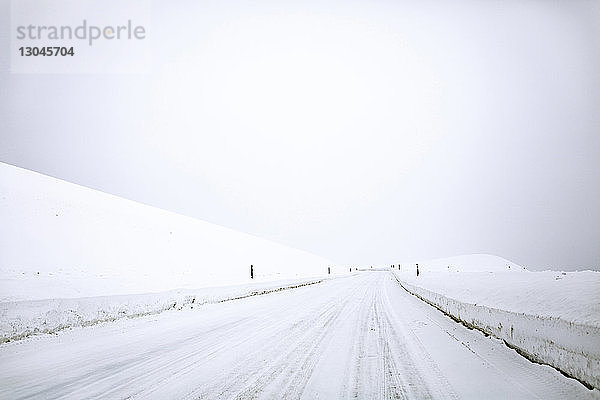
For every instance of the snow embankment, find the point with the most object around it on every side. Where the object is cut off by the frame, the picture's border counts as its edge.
(550, 317)
(25, 318)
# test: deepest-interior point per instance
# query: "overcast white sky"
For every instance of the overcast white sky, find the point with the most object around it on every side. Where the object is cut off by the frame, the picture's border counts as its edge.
(366, 132)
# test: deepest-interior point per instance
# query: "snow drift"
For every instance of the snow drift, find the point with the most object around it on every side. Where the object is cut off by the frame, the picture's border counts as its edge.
(550, 317)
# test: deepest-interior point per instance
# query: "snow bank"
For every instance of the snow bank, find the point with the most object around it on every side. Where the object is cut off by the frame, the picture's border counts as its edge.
(550, 317)
(61, 240)
(24, 318)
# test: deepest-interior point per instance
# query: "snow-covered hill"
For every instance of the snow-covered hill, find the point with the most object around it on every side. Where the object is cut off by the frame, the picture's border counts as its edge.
(61, 240)
(464, 263)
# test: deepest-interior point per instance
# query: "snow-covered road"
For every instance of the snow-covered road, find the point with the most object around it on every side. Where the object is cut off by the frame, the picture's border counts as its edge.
(360, 336)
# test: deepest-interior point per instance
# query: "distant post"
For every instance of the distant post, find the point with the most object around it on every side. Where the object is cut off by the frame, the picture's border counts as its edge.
(251, 271)
(328, 270)
(417, 269)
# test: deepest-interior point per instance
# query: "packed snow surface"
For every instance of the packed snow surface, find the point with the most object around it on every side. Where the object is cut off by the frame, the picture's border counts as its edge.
(361, 337)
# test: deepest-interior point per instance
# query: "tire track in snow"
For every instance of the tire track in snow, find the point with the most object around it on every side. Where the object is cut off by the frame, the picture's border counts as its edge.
(270, 331)
(383, 366)
(282, 362)
(422, 373)
(302, 350)
(351, 386)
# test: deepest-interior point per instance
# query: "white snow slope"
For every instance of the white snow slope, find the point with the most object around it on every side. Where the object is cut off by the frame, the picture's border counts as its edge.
(551, 317)
(83, 243)
(63, 241)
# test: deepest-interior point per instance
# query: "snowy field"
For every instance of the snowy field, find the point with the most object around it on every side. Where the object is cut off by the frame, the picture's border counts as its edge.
(77, 265)
(553, 317)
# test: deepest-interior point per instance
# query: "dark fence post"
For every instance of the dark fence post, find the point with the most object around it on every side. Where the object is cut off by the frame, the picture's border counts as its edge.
(417, 269)
(251, 271)
(328, 270)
